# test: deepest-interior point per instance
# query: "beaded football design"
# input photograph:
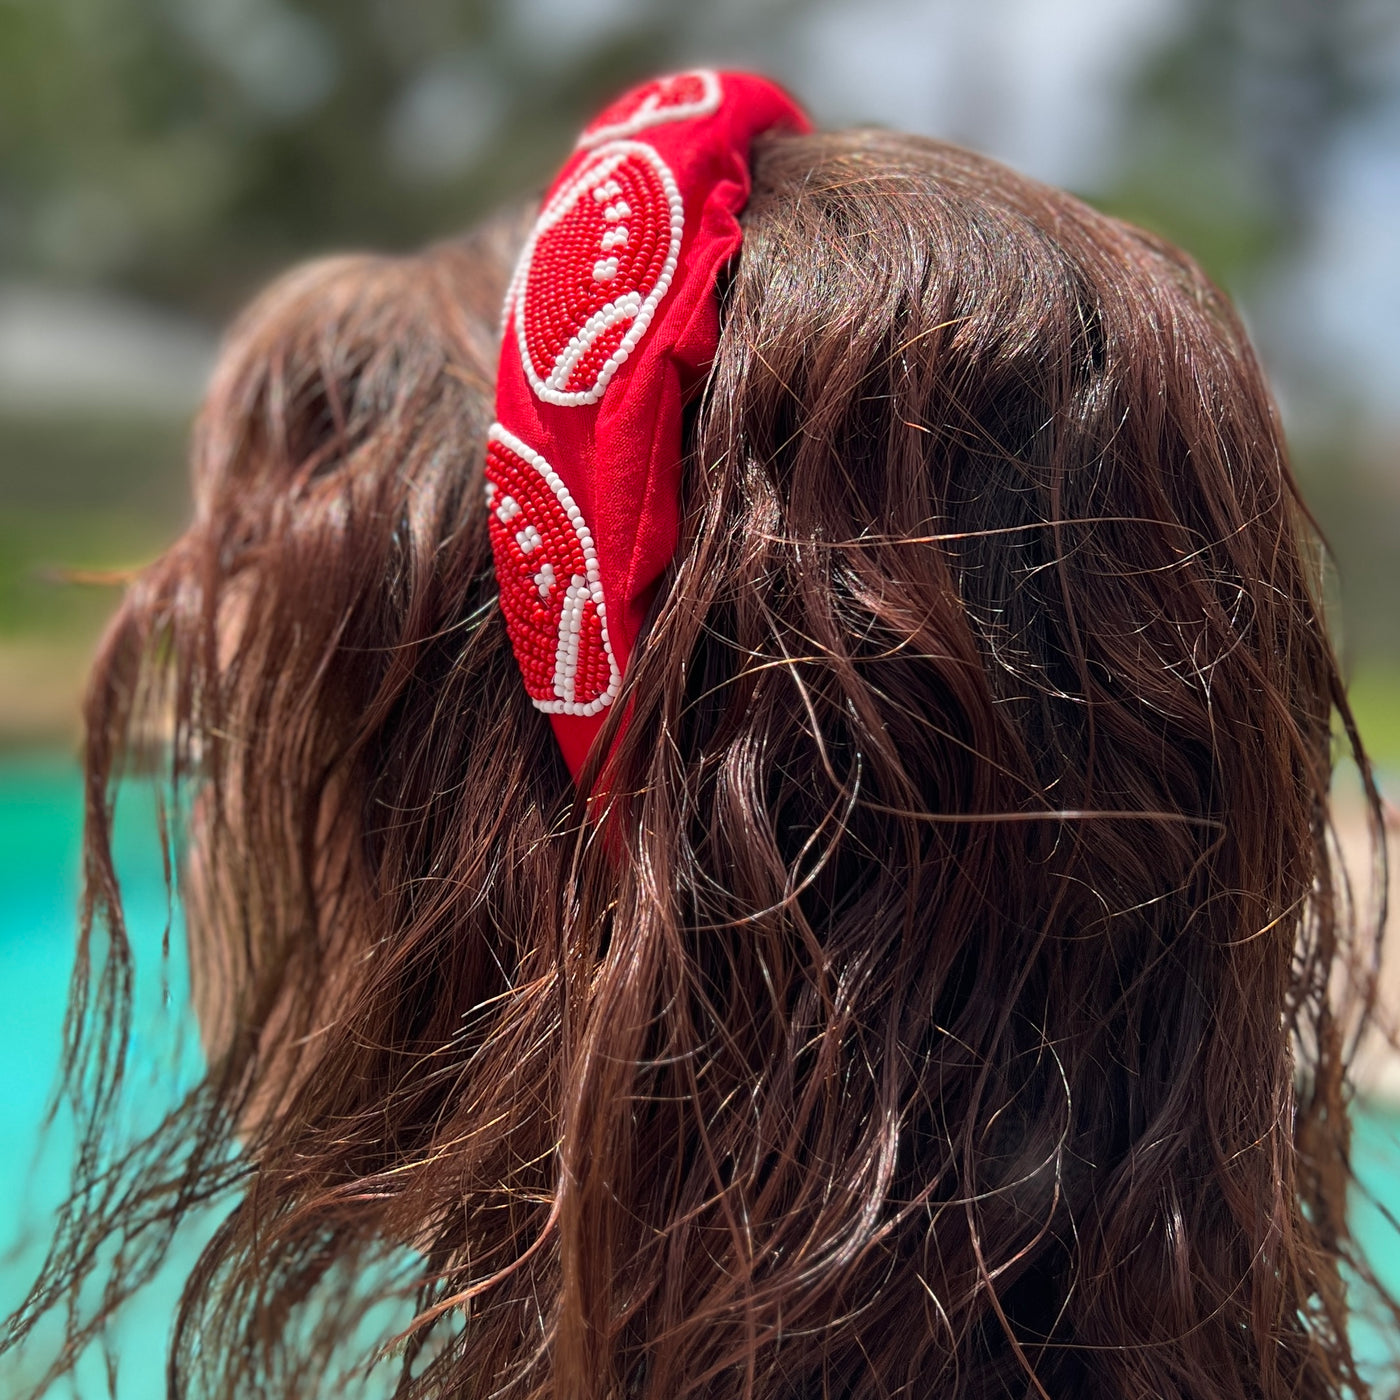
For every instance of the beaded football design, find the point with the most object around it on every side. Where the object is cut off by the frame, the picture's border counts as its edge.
(601, 257)
(547, 570)
(675, 98)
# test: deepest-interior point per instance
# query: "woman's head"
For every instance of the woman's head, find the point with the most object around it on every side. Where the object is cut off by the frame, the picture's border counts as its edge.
(937, 994)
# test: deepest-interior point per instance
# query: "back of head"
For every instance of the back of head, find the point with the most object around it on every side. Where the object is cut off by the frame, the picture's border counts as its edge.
(935, 999)
(980, 753)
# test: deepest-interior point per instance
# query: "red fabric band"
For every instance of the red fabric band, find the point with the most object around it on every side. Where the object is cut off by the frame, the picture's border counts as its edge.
(610, 321)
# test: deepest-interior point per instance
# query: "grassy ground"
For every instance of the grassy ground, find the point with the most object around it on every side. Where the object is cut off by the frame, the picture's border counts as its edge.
(80, 497)
(1375, 698)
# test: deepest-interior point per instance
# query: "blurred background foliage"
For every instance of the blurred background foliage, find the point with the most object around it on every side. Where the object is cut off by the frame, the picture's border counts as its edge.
(159, 159)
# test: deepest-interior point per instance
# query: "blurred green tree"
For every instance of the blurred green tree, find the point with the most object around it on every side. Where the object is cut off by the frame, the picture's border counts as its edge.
(1227, 133)
(183, 148)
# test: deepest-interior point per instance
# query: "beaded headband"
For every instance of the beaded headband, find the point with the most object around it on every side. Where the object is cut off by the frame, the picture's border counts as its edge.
(611, 320)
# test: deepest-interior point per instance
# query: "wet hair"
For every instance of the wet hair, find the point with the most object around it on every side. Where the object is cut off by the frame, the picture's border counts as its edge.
(948, 989)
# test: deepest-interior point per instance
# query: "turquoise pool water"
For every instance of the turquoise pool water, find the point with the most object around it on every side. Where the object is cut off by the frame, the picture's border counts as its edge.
(39, 830)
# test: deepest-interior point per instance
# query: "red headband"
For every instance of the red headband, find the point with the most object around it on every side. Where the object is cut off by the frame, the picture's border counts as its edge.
(610, 321)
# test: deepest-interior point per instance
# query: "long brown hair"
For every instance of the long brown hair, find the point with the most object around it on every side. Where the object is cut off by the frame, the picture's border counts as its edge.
(949, 991)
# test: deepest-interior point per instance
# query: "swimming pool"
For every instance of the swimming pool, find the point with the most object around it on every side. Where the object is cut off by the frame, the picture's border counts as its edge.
(39, 832)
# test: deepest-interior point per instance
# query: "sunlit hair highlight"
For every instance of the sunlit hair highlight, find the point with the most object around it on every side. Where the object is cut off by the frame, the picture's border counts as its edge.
(946, 990)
